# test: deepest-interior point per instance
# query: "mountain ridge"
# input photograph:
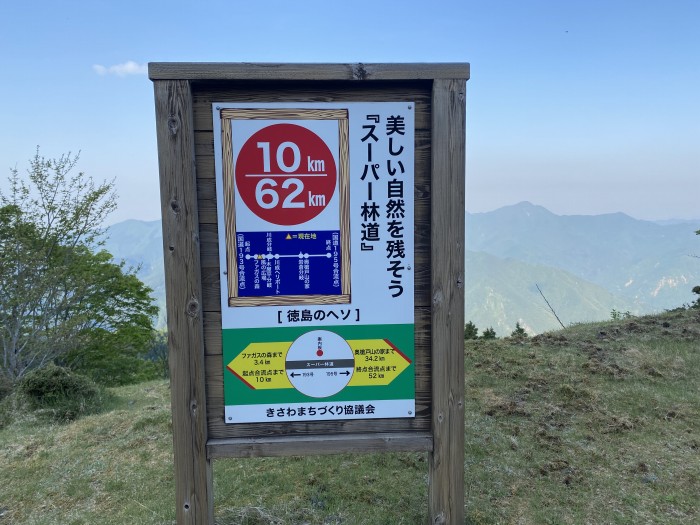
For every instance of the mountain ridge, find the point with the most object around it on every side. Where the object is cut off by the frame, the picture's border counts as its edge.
(638, 260)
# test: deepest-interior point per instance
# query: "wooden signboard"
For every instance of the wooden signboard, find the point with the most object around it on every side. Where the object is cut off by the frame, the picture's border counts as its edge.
(313, 230)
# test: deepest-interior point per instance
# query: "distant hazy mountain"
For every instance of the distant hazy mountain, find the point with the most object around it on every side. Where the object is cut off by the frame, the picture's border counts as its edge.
(645, 263)
(502, 292)
(585, 265)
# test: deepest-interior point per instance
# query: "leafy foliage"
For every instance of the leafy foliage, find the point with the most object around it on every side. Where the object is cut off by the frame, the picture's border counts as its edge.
(59, 394)
(61, 296)
(5, 387)
(489, 333)
(470, 331)
(519, 332)
(696, 290)
(120, 329)
(616, 315)
(158, 353)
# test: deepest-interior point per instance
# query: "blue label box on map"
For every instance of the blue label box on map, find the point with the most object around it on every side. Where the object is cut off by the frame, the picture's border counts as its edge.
(288, 263)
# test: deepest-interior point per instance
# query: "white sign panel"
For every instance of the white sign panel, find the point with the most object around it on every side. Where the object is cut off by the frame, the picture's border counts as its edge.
(316, 243)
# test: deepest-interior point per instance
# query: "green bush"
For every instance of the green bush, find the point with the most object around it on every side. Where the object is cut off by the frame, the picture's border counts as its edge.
(5, 402)
(471, 331)
(59, 394)
(696, 303)
(6, 412)
(489, 333)
(519, 332)
(5, 387)
(114, 358)
(111, 367)
(616, 315)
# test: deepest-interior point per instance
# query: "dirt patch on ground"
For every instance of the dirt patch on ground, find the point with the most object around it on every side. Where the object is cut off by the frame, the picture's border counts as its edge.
(505, 405)
(550, 339)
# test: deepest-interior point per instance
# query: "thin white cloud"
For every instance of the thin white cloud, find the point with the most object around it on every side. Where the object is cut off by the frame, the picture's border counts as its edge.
(121, 70)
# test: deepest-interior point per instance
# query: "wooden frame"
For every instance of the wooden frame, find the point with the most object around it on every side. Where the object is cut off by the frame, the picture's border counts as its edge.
(227, 115)
(447, 459)
(183, 95)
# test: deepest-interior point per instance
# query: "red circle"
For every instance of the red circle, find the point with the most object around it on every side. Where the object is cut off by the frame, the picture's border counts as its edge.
(319, 353)
(285, 174)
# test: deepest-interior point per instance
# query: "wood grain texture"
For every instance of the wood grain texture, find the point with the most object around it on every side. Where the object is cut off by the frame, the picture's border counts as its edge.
(229, 206)
(344, 194)
(283, 114)
(207, 93)
(321, 445)
(276, 71)
(446, 465)
(174, 126)
(288, 300)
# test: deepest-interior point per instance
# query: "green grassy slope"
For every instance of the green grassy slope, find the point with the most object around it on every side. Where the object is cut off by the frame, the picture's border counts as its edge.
(599, 423)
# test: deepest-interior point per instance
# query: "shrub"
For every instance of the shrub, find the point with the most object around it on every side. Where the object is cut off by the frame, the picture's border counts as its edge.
(5, 402)
(59, 394)
(489, 333)
(471, 331)
(110, 365)
(696, 303)
(5, 387)
(519, 332)
(616, 315)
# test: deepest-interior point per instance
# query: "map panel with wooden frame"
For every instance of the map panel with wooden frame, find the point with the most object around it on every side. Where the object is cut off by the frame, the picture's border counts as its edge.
(230, 117)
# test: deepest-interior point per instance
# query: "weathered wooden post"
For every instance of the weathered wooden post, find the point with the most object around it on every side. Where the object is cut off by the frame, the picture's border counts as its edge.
(313, 230)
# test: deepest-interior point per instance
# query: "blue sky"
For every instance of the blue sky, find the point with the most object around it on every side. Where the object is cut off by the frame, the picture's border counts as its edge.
(584, 107)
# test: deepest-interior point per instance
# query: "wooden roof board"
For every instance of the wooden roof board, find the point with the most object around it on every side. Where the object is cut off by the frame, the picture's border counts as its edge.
(309, 71)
